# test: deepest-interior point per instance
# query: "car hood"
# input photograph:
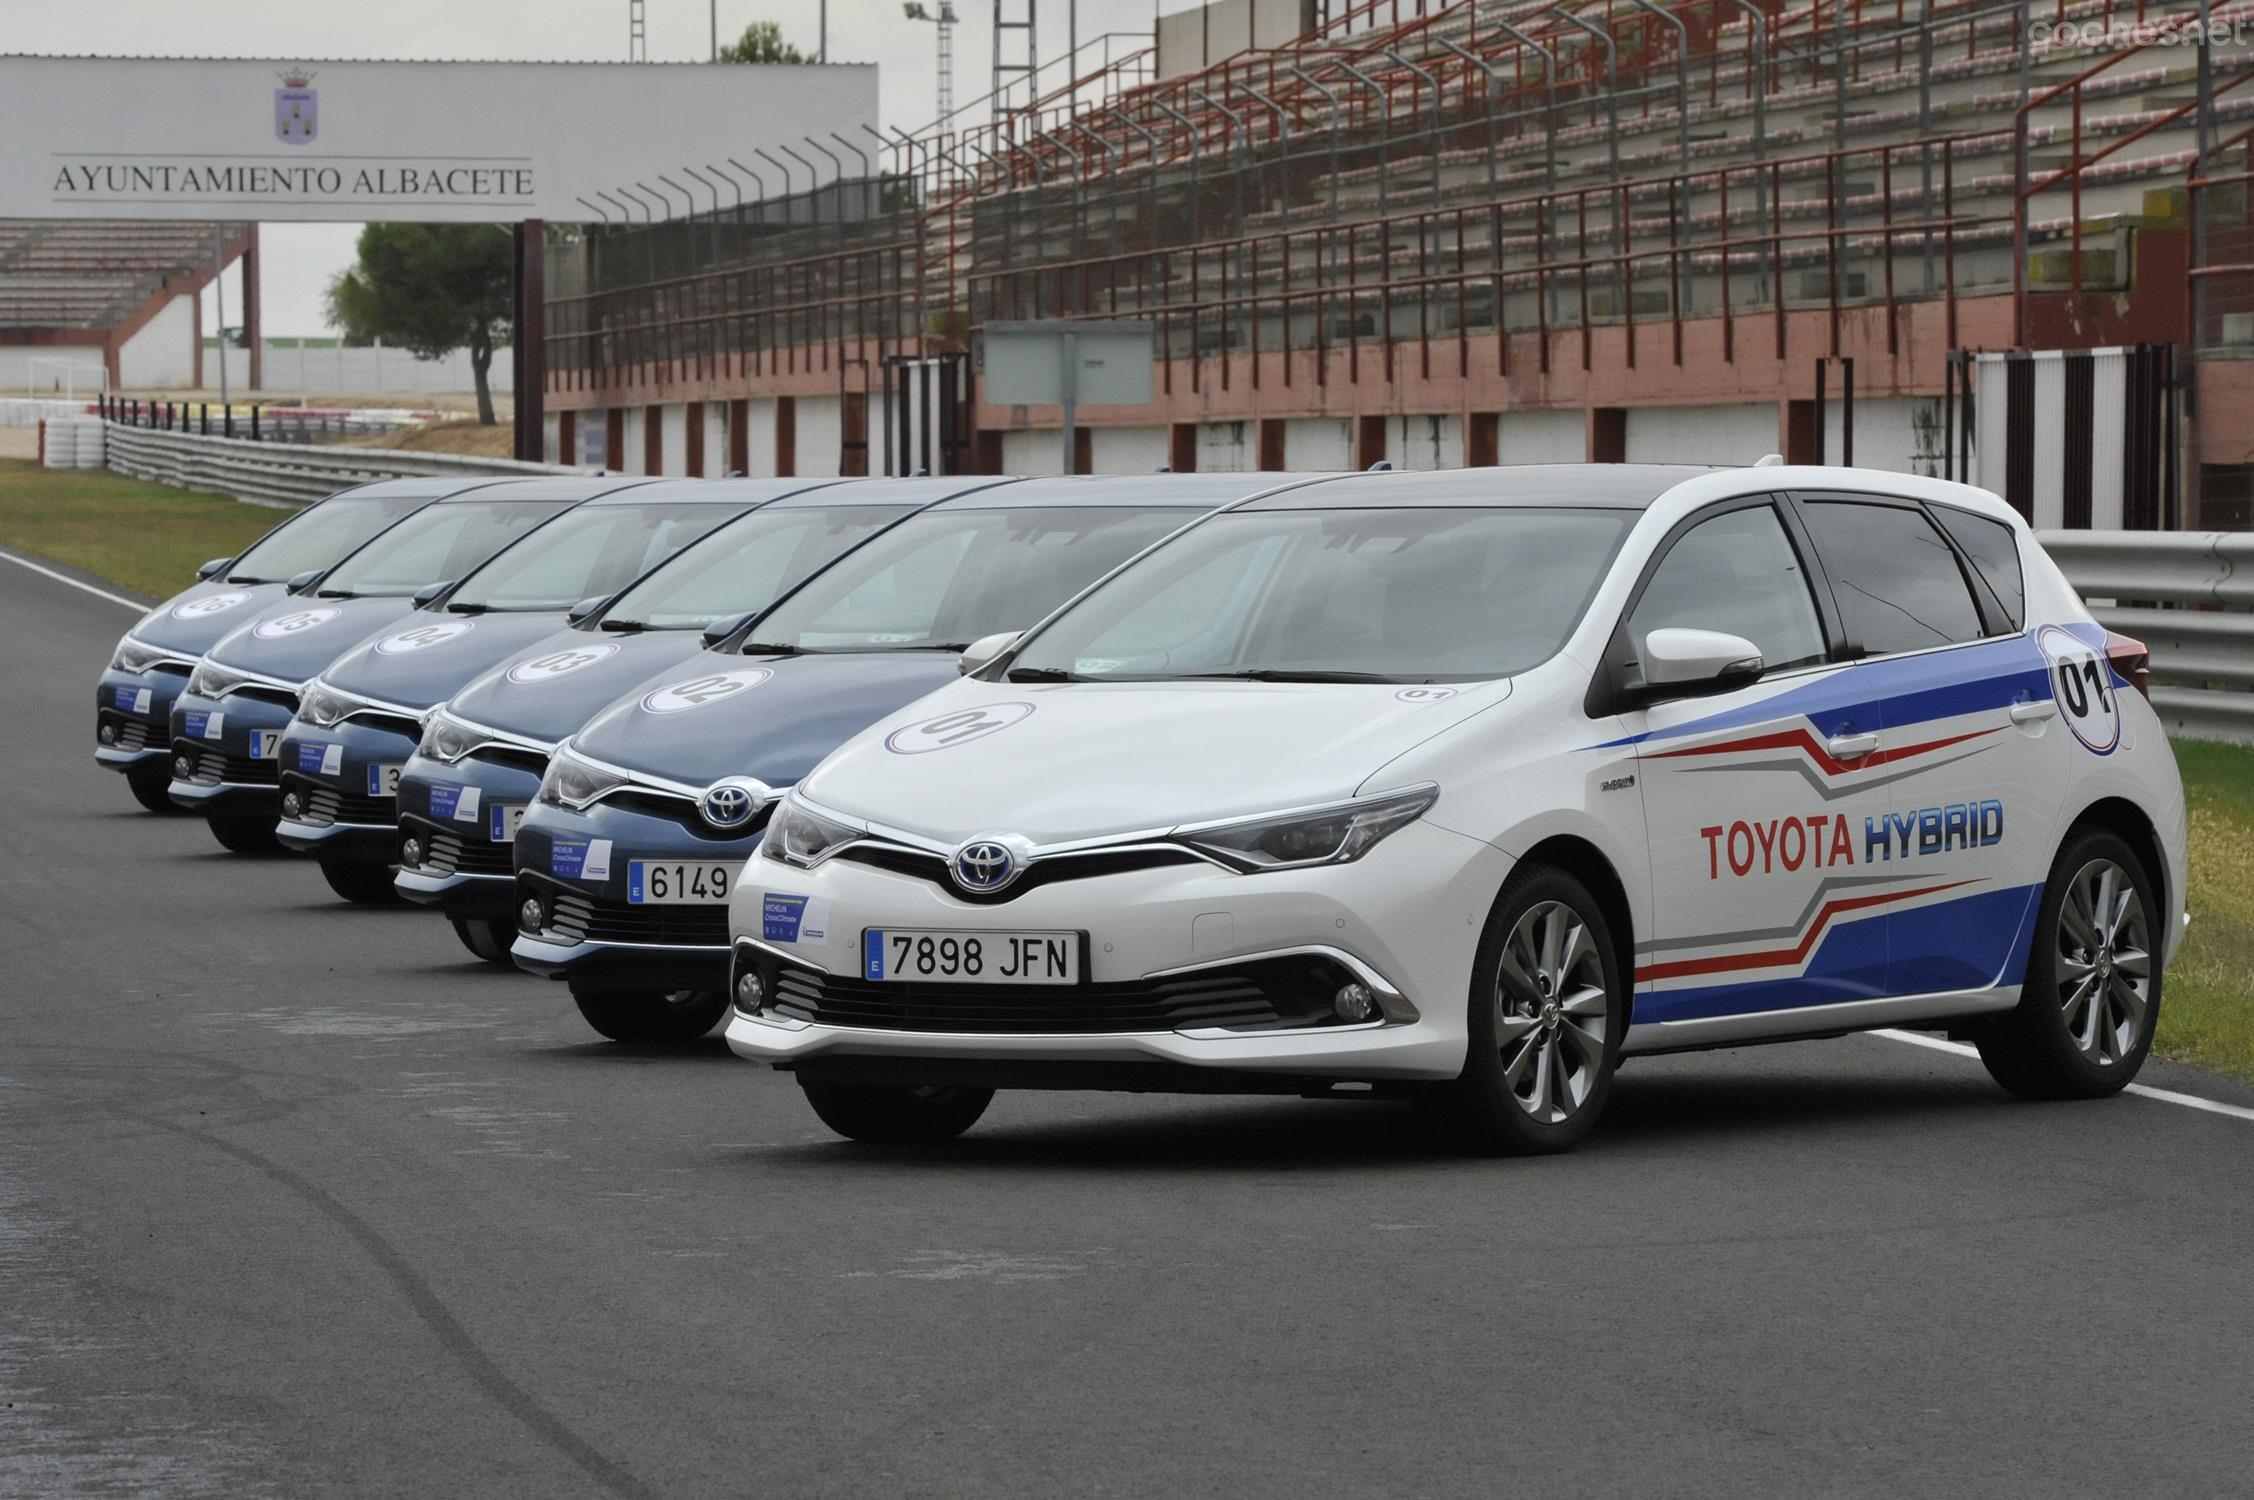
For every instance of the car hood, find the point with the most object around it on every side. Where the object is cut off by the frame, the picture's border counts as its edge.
(430, 654)
(192, 621)
(565, 678)
(295, 638)
(1068, 761)
(772, 718)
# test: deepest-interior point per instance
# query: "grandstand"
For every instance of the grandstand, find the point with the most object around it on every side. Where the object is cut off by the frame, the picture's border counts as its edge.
(81, 300)
(1487, 232)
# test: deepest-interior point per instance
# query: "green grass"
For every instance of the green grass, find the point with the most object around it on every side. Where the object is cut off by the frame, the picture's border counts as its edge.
(148, 537)
(2207, 1009)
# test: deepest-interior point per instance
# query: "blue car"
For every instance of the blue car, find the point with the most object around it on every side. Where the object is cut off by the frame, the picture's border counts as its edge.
(646, 815)
(133, 701)
(356, 724)
(226, 726)
(483, 753)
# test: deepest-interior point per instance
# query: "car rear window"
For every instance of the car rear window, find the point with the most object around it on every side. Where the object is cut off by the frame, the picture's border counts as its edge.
(1894, 577)
(1994, 550)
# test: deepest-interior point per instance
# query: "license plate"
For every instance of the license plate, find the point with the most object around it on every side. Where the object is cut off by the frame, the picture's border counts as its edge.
(940, 956)
(654, 882)
(265, 744)
(501, 820)
(383, 780)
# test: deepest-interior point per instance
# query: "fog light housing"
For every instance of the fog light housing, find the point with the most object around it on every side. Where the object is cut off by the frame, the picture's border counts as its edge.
(1354, 1002)
(183, 767)
(529, 916)
(411, 852)
(107, 734)
(751, 992)
(292, 804)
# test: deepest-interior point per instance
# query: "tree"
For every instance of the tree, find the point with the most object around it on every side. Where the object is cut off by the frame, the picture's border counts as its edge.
(432, 289)
(762, 42)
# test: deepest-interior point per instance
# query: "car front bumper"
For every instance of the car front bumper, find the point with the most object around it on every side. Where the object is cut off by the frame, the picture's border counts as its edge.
(342, 811)
(1405, 920)
(133, 717)
(577, 864)
(454, 814)
(214, 772)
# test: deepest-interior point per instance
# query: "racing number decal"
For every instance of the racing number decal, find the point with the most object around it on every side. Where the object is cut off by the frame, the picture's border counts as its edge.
(554, 664)
(424, 635)
(296, 622)
(210, 604)
(2082, 681)
(699, 691)
(949, 730)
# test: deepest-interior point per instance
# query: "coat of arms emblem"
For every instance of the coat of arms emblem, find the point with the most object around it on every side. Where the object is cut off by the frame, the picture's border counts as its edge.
(297, 108)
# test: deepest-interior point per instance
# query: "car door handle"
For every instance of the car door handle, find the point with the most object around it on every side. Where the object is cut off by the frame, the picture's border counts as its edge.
(2033, 711)
(1851, 746)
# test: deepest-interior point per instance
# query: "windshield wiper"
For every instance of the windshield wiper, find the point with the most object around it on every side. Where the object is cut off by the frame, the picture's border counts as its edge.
(1041, 674)
(1286, 674)
(771, 648)
(468, 609)
(623, 626)
(334, 594)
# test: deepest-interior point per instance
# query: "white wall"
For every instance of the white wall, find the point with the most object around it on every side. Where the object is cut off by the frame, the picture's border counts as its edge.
(551, 440)
(1701, 434)
(1032, 454)
(759, 433)
(162, 356)
(1125, 450)
(1227, 447)
(19, 376)
(338, 370)
(1312, 443)
(821, 436)
(1542, 437)
(1426, 442)
(633, 442)
(1899, 433)
(673, 439)
(715, 438)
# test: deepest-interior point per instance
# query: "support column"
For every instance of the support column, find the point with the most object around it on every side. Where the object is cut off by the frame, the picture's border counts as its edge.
(254, 336)
(528, 364)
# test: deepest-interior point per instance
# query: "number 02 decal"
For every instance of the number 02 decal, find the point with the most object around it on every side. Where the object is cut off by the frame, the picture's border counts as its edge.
(2082, 681)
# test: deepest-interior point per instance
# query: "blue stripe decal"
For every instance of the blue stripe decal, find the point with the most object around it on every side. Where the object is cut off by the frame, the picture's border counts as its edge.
(1974, 942)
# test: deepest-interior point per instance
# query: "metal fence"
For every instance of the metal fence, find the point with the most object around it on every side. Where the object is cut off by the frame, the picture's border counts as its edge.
(2189, 596)
(286, 474)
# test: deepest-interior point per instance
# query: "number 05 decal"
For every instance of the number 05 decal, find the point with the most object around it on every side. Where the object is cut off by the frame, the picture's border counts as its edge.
(2082, 681)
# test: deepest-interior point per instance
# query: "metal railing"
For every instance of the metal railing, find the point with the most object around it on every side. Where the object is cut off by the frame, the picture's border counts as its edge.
(282, 474)
(2189, 596)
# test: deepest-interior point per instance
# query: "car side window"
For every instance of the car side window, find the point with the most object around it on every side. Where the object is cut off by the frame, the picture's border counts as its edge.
(1897, 583)
(1994, 550)
(1736, 573)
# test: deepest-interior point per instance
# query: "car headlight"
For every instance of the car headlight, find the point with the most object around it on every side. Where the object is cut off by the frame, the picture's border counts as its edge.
(574, 783)
(323, 706)
(448, 739)
(133, 656)
(1318, 836)
(797, 835)
(211, 680)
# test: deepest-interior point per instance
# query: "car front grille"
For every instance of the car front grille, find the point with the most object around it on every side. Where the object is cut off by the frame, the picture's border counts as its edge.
(398, 724)
(326, 805)
(1051, 870)
(448, 853)
(575, 917)
(1260, 996)
(129, 734)
(208, 767)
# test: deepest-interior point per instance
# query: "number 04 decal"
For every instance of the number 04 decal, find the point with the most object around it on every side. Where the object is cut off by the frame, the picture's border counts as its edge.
(2082, 681)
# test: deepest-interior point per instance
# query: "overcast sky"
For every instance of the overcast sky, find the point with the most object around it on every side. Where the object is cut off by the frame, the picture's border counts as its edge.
(300, 258)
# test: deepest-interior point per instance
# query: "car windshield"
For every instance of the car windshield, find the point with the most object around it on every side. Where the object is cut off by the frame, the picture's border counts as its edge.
(744, 564)
(940, 581)
(1403, 596)
(595, 550)
(318, 535)
(434, 545)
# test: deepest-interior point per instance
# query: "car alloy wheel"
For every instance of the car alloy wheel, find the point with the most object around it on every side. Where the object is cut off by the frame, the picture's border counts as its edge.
(1551, 1012)
(2104, 964)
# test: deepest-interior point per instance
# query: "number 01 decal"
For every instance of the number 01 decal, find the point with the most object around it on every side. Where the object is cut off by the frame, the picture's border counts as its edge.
(2082, 681)
(949, 730)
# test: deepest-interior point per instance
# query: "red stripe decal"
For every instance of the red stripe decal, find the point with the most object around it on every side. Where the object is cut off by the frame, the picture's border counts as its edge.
(1801, 739)
(1772, 958)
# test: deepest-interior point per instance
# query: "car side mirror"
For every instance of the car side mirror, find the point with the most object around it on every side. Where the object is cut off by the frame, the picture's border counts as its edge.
(586, 607)
(1679, 660)
(305, 580)
(212, 569)
(985, 649)
(716, 634)
(431, 593)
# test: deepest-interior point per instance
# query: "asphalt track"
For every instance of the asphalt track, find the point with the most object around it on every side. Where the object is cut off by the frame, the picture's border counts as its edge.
(298, 1200)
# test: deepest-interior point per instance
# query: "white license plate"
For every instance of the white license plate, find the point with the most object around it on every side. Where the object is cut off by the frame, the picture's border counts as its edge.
(659, 882)
(383, 780)
(501, 821)
(944, 956)
(265, 744)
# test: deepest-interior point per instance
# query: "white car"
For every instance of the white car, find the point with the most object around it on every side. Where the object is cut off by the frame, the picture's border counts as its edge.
(1464, 786)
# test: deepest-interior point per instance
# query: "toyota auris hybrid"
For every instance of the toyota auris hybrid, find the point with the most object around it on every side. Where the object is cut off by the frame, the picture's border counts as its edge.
(133, 700)
(634, 842)
(1463, 786)
(227, 724)
(482, 755)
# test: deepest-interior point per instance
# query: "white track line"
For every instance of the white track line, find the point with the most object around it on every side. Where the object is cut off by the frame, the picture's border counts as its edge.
(24, 562)
(2165, 1096)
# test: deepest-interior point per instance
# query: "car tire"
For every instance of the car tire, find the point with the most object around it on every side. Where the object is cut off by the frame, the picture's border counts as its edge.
(485, 937)
(154, 792)
(2091, 998)
(896, 1114)
(1548, 1007)
(652, 1015)
(363, 885)
(245, 835)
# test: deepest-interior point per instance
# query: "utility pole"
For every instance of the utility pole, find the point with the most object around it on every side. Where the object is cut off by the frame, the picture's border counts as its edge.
(219, 295)
(713, 13)
(915, 11)
(637, 32)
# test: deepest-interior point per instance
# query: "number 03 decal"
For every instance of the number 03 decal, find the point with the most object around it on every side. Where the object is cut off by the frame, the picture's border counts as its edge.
(2082, 681)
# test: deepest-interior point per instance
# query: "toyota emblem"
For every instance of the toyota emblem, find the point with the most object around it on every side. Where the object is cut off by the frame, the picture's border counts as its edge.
(731, 803)
(984, 866)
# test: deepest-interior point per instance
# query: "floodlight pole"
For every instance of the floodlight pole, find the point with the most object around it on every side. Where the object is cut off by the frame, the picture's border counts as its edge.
(219, 293)
(1070, 395)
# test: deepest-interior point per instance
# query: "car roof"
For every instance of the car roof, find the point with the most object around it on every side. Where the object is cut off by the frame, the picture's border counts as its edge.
(1605, 486)
(740, 494)
(417, 487)
(914, 493)
(550, 488)
(1199, 492)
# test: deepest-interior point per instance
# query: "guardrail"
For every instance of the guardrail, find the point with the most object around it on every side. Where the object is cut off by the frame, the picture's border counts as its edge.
(284, 474)
(2189, 596)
